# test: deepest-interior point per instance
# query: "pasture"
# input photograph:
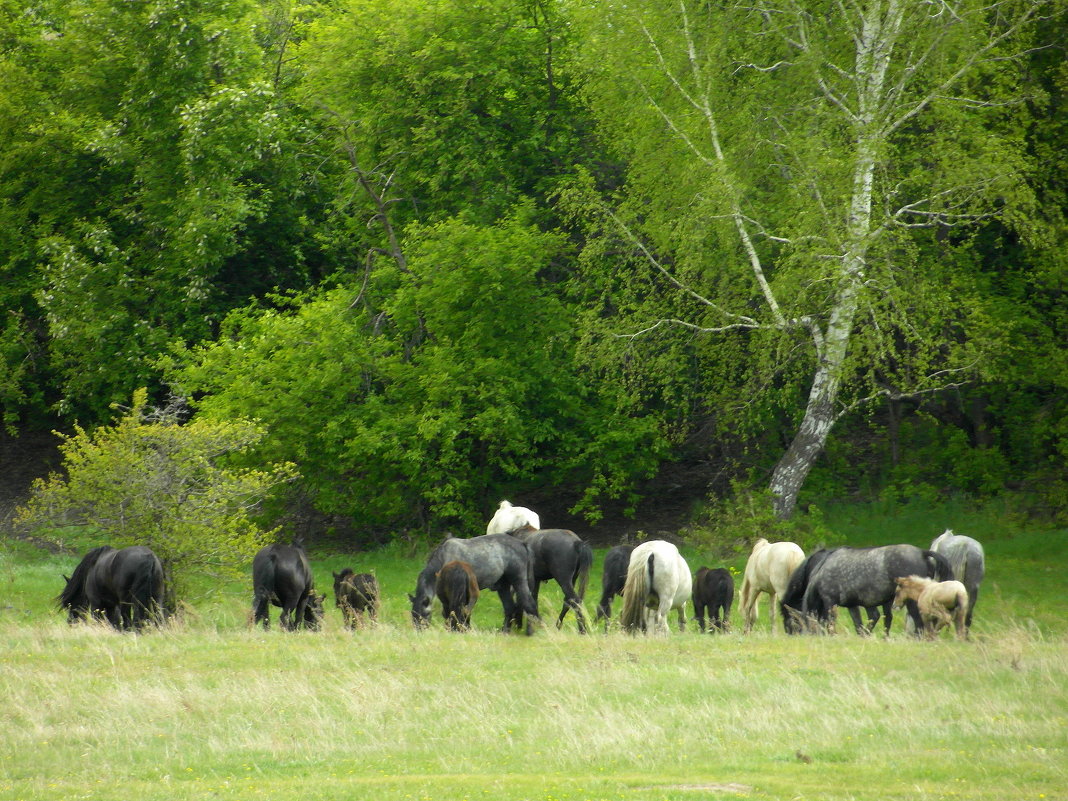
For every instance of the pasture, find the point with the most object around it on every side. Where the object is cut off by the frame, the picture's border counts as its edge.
(207, 708)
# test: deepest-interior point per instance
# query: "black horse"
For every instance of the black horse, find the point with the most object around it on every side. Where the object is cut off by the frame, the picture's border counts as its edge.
(560, 555)
(501, 563)
(356, 594)
(713, 590)
(858, 578)
(457, 589)
(281, 575)
(125, 587)
(616, 562)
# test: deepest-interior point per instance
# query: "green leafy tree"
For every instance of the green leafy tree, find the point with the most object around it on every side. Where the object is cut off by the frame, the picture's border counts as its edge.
(150, 480)
(138, 149)
(461, 388)
(803, 179)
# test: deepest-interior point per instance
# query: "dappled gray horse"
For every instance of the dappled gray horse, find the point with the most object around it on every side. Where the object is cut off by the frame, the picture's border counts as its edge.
(858, 578)
(500, 562)
(968, 561)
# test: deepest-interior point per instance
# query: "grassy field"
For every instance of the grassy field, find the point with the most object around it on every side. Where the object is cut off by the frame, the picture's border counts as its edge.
(207, 708)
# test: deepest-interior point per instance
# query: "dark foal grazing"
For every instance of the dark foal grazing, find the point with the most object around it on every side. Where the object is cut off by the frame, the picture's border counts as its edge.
(457, 589)
(281, 575)
(124, 587)
(713, 590)
(356, 594)
(613, 577)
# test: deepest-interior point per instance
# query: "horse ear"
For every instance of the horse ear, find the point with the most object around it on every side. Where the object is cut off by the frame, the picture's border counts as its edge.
(66, 578)
(411, 598)
(335, 575)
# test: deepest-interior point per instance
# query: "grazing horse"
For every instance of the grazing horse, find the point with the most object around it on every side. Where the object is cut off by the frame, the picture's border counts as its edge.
(864, 577)
(968, 561)
(125, 587)
(768, 570)
(501, 563)
(355, 594)
(282, 576)
(792, 601)
(935, 600)
(457, 589)
(508, 518)
(658, 580)
(713, 589)
(613, 578)
(560, 555)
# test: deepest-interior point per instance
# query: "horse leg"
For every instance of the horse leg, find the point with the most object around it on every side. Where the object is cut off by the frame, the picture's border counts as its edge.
(749, 611)
(572, 601)
(918, 623)
(973, 597)
(699, 613)
(509, 604)
(260, 610)
(682, 619)
(854, 612)
(873, 618)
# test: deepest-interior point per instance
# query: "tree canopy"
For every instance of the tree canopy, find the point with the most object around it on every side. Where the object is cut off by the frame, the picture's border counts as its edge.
(446, 252)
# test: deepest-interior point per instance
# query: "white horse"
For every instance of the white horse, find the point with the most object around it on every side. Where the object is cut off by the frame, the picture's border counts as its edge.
(768, 570)
(658, 580)
(508, 518)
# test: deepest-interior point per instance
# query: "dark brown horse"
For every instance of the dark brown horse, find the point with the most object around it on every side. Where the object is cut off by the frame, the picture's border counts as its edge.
(457, 589)
(560, 555)
(613, 577)
(713, 590)
(281, 575)
(124, 587)
(356, 594)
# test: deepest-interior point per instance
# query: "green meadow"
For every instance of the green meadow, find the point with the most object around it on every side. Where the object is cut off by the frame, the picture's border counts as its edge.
(207, 708)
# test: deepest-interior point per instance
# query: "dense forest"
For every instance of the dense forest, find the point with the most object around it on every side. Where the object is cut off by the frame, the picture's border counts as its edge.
(571, 253)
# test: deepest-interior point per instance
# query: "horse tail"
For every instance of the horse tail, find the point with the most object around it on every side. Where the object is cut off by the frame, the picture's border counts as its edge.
(583, 563)
(938, 566)
(635, 592)
(146, 593)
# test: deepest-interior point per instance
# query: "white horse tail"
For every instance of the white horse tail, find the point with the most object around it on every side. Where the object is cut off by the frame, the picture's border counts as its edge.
(636, 592)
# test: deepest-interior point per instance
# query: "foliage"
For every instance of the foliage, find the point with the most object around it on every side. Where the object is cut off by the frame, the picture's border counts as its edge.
(424, 413)
(150, 480)
(730, 524)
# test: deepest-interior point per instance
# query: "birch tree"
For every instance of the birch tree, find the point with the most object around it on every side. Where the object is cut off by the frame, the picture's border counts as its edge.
(803, 176)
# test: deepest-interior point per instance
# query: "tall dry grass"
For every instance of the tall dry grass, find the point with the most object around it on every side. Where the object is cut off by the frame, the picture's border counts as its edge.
(386, 713)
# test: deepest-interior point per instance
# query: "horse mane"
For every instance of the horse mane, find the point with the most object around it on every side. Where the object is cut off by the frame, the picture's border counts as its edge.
(74, 593)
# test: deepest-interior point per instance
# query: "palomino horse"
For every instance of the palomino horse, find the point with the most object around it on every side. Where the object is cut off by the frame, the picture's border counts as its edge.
(658, 580)
(509, 518)
(768, 570)
(936, 601)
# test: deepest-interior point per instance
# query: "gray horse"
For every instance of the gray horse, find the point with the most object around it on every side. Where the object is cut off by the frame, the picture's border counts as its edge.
(501, 563)
(859, 578)
(968, 561)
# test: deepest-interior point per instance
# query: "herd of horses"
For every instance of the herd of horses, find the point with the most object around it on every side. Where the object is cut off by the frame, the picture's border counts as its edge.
(937, 587)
